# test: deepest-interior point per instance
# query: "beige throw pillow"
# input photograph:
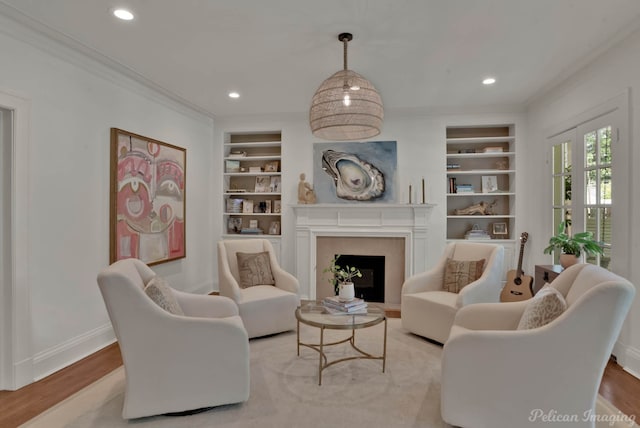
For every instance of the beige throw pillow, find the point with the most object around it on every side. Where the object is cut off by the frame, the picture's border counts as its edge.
(159, 291)
(254, 269)
(547, 305)
(458, 274)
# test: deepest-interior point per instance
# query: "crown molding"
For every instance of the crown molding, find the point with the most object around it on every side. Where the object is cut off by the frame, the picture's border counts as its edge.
(19, 26)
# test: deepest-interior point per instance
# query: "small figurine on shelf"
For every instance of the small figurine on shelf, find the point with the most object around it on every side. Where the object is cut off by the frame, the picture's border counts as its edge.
(306, 195)
(483, 208)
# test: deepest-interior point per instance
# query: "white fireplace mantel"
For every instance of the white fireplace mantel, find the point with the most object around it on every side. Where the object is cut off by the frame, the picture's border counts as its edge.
(408, 221)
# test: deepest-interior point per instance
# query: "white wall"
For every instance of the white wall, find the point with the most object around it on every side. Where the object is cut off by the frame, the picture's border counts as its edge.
(608, 76)
(74, 103)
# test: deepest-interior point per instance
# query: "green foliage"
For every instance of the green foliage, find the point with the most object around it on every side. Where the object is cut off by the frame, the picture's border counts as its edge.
(341, 274)
(575, 244)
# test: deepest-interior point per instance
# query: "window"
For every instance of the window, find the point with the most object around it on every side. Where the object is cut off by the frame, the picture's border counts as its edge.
(583, 161)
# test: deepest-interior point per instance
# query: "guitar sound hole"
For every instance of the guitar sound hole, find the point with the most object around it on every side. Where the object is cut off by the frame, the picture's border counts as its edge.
(517, 281)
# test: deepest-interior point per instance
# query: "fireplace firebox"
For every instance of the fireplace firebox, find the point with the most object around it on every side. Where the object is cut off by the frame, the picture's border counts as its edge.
(371, 286)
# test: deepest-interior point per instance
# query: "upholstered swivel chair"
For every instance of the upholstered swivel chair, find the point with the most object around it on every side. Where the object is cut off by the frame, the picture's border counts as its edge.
(174, 363)
(428, 310)
(495, 373)
(265, 309)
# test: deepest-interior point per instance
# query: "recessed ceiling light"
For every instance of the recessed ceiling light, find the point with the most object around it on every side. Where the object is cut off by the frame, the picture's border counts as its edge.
(234, 95)
(123, 14)
(489, 81)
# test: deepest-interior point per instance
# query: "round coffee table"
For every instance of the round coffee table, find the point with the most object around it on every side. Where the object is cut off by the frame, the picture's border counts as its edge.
(316, 315)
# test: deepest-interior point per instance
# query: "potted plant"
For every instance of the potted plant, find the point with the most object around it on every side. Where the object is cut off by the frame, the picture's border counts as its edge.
(341, 279)
(572, 246)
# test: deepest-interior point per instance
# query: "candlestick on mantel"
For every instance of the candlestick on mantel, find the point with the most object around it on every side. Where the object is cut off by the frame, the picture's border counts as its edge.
(423, 190)
(410, 191)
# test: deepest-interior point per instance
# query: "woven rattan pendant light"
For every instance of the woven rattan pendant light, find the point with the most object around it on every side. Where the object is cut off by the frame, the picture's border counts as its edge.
(346, 106)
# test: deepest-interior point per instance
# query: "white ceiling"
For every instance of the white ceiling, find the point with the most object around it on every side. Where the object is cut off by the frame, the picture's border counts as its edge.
(428, 54)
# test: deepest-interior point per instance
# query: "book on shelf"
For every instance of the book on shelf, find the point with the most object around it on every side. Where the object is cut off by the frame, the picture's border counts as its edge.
(492, 150)
(251, 231)
(464, 188)
(237, 154)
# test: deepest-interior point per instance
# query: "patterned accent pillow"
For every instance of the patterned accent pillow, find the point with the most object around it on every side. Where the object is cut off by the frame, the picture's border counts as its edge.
(159, 291)
(254, 269)
(547, 305)
(458, 274)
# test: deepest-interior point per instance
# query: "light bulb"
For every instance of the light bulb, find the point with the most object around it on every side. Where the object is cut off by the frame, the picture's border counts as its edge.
(346, 100)
(123, 14)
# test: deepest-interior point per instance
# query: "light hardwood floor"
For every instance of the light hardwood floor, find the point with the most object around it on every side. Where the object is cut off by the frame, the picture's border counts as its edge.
(617, 386)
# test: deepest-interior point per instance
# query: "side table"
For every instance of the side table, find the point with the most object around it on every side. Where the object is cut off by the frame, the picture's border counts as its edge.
(545, 273)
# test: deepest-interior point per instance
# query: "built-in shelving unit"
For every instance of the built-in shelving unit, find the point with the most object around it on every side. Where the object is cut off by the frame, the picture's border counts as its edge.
(252, 180)
(481, 171)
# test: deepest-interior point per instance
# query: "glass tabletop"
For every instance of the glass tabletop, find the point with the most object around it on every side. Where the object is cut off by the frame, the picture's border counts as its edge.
(316, 314)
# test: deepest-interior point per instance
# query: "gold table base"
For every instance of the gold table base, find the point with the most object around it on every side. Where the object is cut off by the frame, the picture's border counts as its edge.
(319, 347)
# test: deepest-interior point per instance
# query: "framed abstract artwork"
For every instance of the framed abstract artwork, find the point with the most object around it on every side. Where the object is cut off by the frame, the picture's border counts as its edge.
(355, 172)
(147, 199)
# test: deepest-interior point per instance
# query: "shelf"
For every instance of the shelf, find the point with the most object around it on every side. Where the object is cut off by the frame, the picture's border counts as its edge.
(253, 158)
(256, 214)
(479, 217)
(479, 171)
(261, 149)
(251, 194)
(249, 174)
(253, 144)
(498, 241)
(480, 155)
(481, 140)
(481, 194)
(249, 236)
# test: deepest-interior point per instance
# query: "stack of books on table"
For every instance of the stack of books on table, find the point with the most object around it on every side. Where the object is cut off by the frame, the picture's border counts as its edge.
(335, 306)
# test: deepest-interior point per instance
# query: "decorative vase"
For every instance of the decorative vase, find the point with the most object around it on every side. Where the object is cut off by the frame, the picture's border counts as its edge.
(346, 291)
(567, 260)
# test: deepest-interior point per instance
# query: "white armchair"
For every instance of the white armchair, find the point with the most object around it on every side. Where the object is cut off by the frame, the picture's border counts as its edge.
(494, 375)
(265, 309)
(428, 310)
(174, 363)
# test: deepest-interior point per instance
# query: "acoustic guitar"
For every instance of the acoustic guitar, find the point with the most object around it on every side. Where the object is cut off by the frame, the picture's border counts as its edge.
(519, 286)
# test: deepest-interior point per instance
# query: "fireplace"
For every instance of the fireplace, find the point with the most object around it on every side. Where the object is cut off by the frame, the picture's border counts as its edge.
(399, 232)
(370, 286)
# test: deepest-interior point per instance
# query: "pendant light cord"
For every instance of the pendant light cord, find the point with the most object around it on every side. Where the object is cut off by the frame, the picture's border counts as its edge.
(345, 41)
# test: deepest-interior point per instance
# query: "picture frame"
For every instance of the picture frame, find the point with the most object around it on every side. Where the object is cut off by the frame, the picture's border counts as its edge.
(263, 184)
(247, 206)
(232, 165)
(267, 209)
(500, 229)
(274, 228)
(277, 206)
(275, 184)
(271, 166)
(489, 184)
(234, 224)
(253, 224)
(147, 207)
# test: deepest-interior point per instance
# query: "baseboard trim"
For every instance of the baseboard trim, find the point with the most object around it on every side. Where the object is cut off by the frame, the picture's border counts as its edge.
(631, 362)
(70, 351)
(628, 358)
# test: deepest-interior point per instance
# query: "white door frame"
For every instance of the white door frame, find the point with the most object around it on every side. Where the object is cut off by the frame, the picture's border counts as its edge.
(15, 331)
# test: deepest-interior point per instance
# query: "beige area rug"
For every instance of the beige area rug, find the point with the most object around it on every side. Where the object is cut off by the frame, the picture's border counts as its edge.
(285, 391)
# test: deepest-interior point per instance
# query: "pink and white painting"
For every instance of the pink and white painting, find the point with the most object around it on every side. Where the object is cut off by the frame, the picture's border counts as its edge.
(147, 199)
